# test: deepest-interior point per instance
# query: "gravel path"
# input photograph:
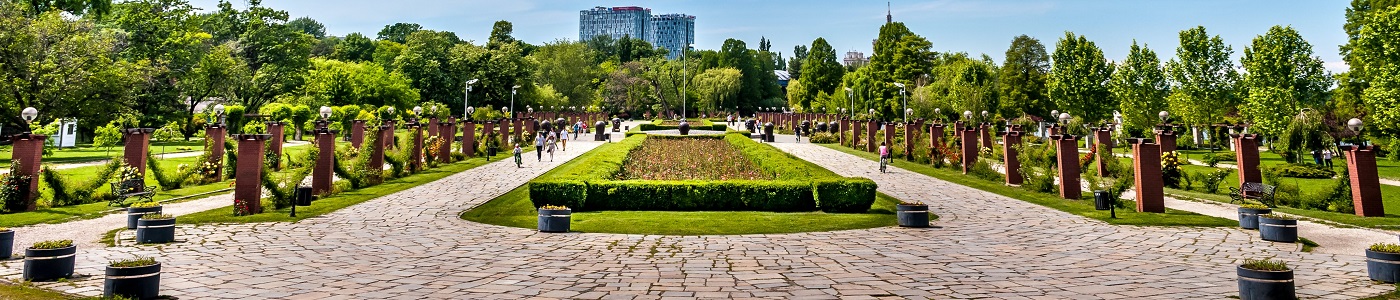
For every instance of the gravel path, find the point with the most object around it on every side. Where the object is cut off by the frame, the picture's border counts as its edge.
(87, 233)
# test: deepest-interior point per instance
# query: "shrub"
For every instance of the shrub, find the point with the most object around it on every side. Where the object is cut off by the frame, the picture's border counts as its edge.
(157, 216)
(144, 204)
(823, 138)
(1171, 170)
(553, 207)
(66, 192)
(1037, 167)
(1276, 216)
(1253, 206)
(569, 193)
(1265, 265)
(1212, 181)
(1303, 171)
(738, 195)
(171, 179)
(981, 169)
(1385, 248)
(54, 244)
(849, 195)
(1189, 180)
(133, 262)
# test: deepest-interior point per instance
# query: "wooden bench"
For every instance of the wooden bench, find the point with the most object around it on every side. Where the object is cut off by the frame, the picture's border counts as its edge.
(1253, 191)
(131, 189)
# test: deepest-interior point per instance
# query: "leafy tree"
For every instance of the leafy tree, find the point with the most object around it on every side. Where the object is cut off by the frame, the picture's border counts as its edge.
(626, 89)
(1203, 79)
(1023, 79)
(717, 86)
(1283, 78)
(960, 84)
(164, 34)
(1079, 79)
(217, 74)
(498, 70)
(570, 69)
(355, 47)
(398, 32)
(669, 78)
(1379, 45)
(385, 52)
(823, 72)
(424, 62)
(337, 83)
(76, 7)
(1140, 87)
(64, 68)
(799, 54)
(107, 136)
(308, 26)
(501, 34)
(900, 55)
(276, 55)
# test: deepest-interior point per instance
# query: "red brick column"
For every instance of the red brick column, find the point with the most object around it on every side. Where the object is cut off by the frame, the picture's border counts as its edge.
(1365, 182)
(871, 128)
(276, 129)
(1009, 141)
(935, 138)
(469, 138)
(445, 151)
(519, 123)
(889, 136)
(1067, 152)
(1147, 179)
(325, 162)
(841, 135)
(532, 125)
(137, 148)
(1105, 141)
(415, 158)
(1247, 157)
(968, 136)
(1053, 129)
(29, 154)
(389, 142)
(1167, 140)
(376, 156)
(432, 126)
(357, 133)
(505, 133)
(248, 179)
(986, 132)
(214, 145)
(912, 132)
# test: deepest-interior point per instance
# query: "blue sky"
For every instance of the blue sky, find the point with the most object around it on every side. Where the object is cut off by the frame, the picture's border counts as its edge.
(973, 26)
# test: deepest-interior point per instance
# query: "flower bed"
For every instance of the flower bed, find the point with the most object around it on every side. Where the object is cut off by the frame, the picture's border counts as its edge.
(688, 159)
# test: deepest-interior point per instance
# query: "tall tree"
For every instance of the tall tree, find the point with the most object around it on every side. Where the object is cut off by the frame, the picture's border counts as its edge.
(336, 83)
(76, 7)
(1079, 79)
(1140, 87)
(1203, 79)
(1283, 77)
(216, 74)
(308, 26)
(163, 33)
(355, 48)
(1379, 44)
(424, 62)
(65, 68)
(501, 34)
(569, 68)
(960, 84)
(717, 87)
(900, 55)
(823, 72)
(1023, 78)
(276, 55)
(398, 32)
(799, 54)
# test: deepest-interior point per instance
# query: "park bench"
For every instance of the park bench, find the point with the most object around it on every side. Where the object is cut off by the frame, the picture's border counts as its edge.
(1253, 191)
(131, 189)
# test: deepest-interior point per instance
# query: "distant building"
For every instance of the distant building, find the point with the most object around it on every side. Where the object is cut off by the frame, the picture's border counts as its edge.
(672, 32)
(855, 59)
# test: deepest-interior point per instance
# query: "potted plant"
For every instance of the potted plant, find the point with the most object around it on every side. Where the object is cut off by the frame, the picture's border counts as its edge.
(1278, 228)
(155, 228)
(7, 242)
(136, 210)
(49, 260)
(1265, 279)
(912, 214)
(1249, 215)
(137, 278)
(1383, 262)
(554, 218)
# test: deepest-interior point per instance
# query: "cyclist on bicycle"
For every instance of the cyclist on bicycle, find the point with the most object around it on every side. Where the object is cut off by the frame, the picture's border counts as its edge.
(884, 156)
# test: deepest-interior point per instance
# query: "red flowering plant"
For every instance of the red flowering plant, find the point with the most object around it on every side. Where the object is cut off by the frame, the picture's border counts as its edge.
(1088, 158)
(689, 159)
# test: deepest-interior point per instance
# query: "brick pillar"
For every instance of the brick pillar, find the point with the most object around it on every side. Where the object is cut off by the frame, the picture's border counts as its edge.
(1105, 143)
(445, 150)
(390, 142)
(871, 128)
(1365, 182)
(986, 132)
(533, 125)
(1009, 141)
(357, 133)
(376, 156)
(415, 158)
(935, 138)
(29, 154)
(841, 135)
(275, 143)
(325, 162)
(137, 147)
(519, 123)
(1247, 157)
(968, 137)
(469, 138)
(911, 134)
(1147, 179)
(214, 144)
(248, 179)
(1067, 152)
(505, 133)
(432, 126)
(1053, 129)
(1167, 140)
(889, 136)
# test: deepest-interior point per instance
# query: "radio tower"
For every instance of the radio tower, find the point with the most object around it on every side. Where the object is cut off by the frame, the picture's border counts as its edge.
(889, 14)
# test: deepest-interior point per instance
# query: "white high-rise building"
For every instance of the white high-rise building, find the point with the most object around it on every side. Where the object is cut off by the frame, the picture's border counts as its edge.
(669, 31)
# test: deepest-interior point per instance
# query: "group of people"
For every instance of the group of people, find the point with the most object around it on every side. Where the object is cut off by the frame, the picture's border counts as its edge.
(1323, 157)
(547, 140)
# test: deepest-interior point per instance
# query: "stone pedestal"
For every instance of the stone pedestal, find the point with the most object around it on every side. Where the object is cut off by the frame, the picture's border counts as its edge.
(1247, 157)
(1365, 182)
(935, 137)
(469, 138)
(1009, 141)
(274, 145)
(1052, 130)
(968, 137)
(376, 154)
(137, 148)
(214, 145)
(841, 135)
(325, 162)
(1167, 140)
(392, 141)
(357, 133)
(29, 154)
(415, 158)
(1067, 153)
(871, 128)
(505, 134)
(1105, 144)
(444, 154)
(985, 130)
(248, 178)
(1147, 171)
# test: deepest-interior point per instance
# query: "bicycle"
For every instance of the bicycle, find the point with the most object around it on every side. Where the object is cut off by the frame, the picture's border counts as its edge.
(884, 161)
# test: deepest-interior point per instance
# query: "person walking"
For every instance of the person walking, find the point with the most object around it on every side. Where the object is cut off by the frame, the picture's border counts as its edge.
(549, 144)
(517, 155)
(563, 138)
(539, 146)
(1327, 158)
(1317, 157)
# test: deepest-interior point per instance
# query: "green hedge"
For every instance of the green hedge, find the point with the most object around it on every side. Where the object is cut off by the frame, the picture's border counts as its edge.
(654, 127)
(569, 193)
(700, 195)
(849, 195)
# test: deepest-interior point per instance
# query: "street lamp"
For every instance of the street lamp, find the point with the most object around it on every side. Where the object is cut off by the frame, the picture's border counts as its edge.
(872, 113)
(219, 112)
(466, 100)
(851, 96)
(28, 114)
(938, 112)
(1356, 126)
(967, 115)
(417, 111)
(1065, 118)
(903, 97)
(685, 72)
(326, 113)
(512, 100)
(986, 117)
(470, 111)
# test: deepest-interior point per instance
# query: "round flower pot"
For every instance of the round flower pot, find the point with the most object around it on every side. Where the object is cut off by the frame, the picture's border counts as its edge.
(157, 231)
(1249, 217)
(1262, 285)
(134, 282)
(135, 213)
(49, 264)
(7, 244)
(685, 128)
(555, 220)
(1383, 267)
(1102, 201)
(1278, 230)
(912, 215)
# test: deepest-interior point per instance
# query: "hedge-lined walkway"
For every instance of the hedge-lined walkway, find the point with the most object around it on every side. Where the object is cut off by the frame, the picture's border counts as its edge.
(411, 245)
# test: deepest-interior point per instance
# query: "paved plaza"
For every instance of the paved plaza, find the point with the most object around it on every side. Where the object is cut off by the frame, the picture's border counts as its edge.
(412, 245)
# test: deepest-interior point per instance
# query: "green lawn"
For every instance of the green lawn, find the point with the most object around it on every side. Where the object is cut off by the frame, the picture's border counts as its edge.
(1385, 167)
(94, 210)
(1079, 207)
(1390, 221)
(514, 209)
(12, 291)
(87, 152)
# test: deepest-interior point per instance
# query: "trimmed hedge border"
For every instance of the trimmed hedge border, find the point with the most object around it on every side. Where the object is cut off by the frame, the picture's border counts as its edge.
(587, 185)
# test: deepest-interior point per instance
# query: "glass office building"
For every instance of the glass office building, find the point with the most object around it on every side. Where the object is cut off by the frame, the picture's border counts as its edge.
(670, 31)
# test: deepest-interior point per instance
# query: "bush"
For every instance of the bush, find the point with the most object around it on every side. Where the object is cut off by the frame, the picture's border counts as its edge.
(849, 195)
(569, 193)
(1171, 170)
(1215, 159)
(1213, 179)
(823, 138)
(981, 169)
(736, 195)
(1303, 171)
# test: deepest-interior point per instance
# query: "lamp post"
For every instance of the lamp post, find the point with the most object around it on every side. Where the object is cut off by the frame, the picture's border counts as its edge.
(512, 101)
(28, 114)
(938, 112)
(467, 98)
(1356, 125)
(685, 83)
(905, 98)
(219, 113)
(850, 95)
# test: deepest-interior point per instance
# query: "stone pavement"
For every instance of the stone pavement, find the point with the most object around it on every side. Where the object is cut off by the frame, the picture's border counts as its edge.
(87, 233)
(412, 245)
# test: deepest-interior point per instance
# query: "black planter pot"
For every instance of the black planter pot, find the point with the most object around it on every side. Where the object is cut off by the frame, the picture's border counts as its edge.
(1278, 230)
(303, 196)
(1249, 217)
(1102, 201)
(491, 151)
(7, 244)
(158, 231)
(1383, 267)
(1265, 285)
(555, 220)
(912, 215)
(133, 214)
(135, 282)
(49, 264)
